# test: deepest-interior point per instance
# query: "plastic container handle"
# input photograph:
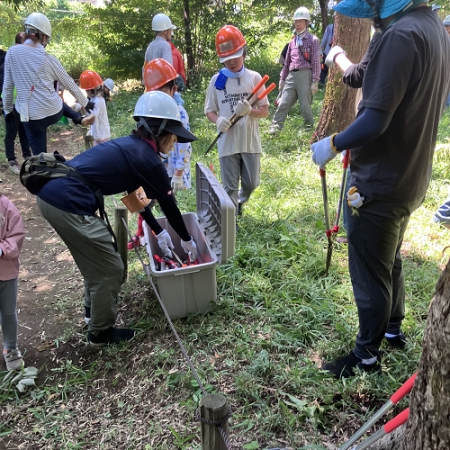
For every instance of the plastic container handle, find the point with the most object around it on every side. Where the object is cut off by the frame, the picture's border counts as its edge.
(398, 420)
(404, 389)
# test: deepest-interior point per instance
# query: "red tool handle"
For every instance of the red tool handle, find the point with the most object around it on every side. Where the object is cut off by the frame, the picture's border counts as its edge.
(398, 420)
(404, 389)
(346, 159)
(322, 173)
(267, 91)
(260, 84)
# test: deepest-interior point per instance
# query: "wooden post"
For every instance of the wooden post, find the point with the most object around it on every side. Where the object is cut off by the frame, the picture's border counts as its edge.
(121, 235)
(213, 408)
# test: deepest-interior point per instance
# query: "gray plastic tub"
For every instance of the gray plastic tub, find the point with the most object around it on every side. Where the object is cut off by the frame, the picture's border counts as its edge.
(193, 289)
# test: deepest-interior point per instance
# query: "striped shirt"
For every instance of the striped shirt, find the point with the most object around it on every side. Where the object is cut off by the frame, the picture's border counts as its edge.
(297, 58)
(159, 48)
(33, 72)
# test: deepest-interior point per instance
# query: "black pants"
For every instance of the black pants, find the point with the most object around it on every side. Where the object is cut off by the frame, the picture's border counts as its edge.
(13, 125)
(37, 132)
(375, 235)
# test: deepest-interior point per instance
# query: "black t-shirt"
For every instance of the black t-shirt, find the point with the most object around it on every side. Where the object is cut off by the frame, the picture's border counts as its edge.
(408, 76)
(117, 166)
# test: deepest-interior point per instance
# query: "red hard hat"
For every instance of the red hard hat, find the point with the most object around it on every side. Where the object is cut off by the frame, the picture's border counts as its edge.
(229, 43)
(157, 73)
(90, 79)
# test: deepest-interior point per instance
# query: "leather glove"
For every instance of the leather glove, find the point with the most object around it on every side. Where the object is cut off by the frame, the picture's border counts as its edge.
(177, 183)
(334, 51)
(89, 107)
(243, 108)
(322, 152)
(223, 124)
(190, 248)
(165, 243)
(314, 87)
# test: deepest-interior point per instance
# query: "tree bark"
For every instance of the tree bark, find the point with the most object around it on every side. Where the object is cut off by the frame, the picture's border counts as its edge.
(338, 111)
(188, 40)
(428, 426)
(324, 14)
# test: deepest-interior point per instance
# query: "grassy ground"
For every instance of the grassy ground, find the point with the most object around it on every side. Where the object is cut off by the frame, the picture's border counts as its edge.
(278, 316)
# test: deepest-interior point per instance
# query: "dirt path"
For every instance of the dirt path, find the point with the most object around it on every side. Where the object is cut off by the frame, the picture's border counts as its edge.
(47, 269)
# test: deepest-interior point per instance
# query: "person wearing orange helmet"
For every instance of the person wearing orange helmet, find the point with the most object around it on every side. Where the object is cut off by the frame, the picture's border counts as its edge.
(159, 75)
(240, 145)
(92, 83)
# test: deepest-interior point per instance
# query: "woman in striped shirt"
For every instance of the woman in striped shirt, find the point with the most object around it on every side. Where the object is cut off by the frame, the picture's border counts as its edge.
(33, 71)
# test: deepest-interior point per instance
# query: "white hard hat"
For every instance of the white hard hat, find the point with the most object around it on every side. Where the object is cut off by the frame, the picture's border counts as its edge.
(39, 22)
(110, 85)
(302, 13)
(158, 109)
(447, 21)
(161, 22)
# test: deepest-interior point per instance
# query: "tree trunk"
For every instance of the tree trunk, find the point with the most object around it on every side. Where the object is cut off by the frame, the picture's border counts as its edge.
(188, 40)
(338, 110)
(324, 14)
(428, 426)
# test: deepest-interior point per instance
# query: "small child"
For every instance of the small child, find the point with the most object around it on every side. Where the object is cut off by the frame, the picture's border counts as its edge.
(240, 145)
(93, 84)
(159, 75)
(12, 234)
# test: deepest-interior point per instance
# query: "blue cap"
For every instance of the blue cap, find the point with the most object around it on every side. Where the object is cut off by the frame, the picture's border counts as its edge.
(360, 9)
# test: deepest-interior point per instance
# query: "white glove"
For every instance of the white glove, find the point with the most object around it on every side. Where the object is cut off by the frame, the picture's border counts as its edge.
(190, 248)
(165, 243)
(336, 50)
(243, 108)
(177, 183)
(322, 152)
(223, 124)
(314, 87)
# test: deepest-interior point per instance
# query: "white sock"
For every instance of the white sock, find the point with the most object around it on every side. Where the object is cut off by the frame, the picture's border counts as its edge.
(369, 360)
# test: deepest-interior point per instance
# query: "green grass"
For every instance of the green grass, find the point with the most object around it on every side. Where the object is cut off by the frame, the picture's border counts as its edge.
(277, 317)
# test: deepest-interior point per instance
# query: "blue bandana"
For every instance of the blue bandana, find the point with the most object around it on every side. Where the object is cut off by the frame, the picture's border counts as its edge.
(224, 74)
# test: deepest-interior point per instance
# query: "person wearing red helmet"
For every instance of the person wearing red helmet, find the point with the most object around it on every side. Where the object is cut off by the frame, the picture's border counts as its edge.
(92, 83)
(240, 145)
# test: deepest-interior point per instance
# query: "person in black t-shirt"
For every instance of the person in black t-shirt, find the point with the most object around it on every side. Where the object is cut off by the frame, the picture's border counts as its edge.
(392, 144)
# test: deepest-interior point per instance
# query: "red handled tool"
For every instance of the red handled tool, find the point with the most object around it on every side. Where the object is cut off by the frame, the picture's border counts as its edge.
(398, 420)
(323, 178)
(235, 118)
(403, 390)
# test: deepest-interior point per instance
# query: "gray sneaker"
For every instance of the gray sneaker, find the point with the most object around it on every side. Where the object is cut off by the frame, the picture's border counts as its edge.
(13, 359)
(14, 167)
(274, 129)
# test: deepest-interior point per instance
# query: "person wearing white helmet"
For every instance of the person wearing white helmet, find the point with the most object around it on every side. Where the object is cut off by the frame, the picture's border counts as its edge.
(160, 46)
(120, 165)
(33, 72)
(299, 77)
(392, 143)
(447, 25)
(108, 89)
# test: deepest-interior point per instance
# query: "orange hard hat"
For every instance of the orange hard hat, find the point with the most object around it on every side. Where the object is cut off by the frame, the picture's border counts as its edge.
(229, 43)
(90, 79)
(157, 73)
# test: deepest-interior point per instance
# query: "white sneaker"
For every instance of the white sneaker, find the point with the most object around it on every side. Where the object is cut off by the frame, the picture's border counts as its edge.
(274, 129)
(14, 167)
(13, 359)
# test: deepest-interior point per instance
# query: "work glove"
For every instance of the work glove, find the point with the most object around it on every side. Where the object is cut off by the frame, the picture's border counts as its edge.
(89, 107)
(223, 124)
(314, 87)
(322, 152)
(165, 243)
(336, 50)
(243, 108)
(177, 183)
(190, 248)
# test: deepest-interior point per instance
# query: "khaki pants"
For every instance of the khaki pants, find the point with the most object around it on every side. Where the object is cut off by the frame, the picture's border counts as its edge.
(297, 87)
(91, 246)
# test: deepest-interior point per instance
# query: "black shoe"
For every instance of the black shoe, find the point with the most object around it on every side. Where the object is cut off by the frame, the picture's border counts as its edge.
(110, 336)
(239, 210)
(87, 314)
(343, 367)
(398, 341)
